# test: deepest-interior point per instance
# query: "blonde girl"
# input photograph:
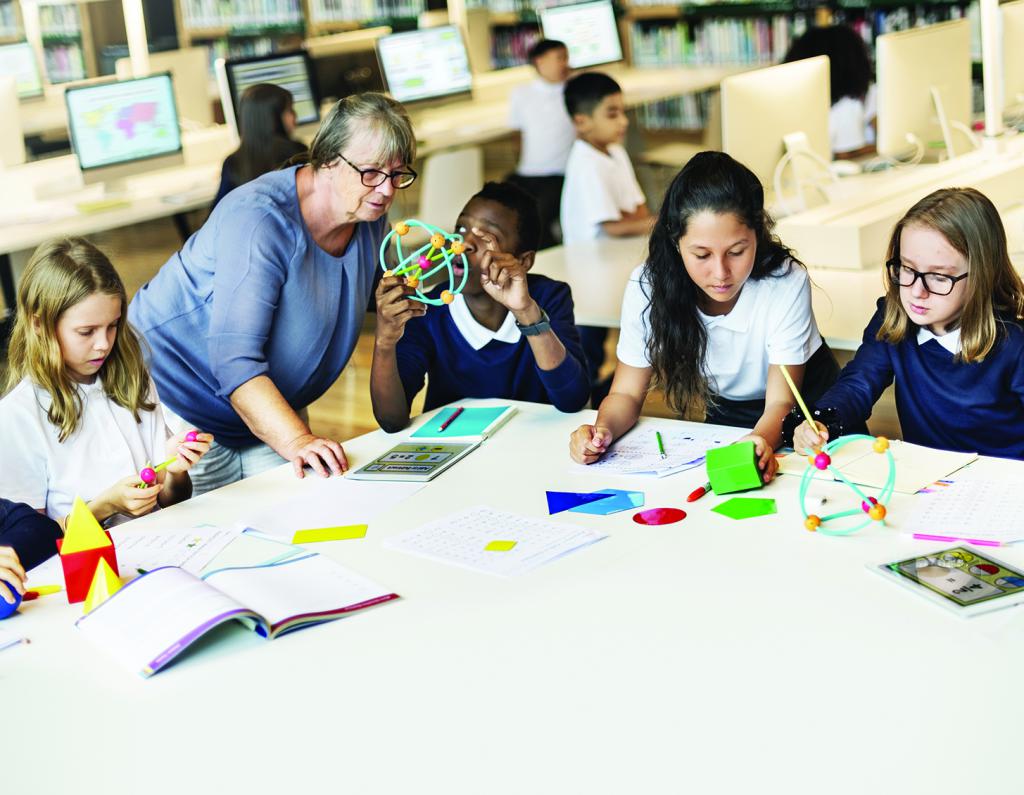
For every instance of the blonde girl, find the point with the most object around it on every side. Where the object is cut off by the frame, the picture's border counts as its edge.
(80, 416)
(948, 331)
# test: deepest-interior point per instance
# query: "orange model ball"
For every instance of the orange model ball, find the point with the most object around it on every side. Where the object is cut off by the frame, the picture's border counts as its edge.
(812, 522)
(447, 296)
(401, 228)
(437, 240)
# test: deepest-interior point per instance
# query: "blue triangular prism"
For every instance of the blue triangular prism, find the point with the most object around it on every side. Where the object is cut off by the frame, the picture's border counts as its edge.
(618, 500)
(559, 501)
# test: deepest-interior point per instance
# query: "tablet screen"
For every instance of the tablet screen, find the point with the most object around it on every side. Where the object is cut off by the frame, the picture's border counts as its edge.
(962, 576)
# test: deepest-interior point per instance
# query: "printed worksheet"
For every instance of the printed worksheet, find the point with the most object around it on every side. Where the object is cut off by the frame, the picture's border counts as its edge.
(493, 542)
(978, 509)
(637, 453)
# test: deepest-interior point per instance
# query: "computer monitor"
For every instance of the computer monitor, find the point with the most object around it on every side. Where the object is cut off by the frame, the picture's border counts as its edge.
(291, 70)
(588, 30)
(124, 128)
(425, 64)
(1013, 56)
(20, 60)
(764, 112)
(346, 63)
(924, 88)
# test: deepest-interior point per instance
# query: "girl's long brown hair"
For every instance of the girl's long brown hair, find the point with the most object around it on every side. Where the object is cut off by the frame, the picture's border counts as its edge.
(60, 274)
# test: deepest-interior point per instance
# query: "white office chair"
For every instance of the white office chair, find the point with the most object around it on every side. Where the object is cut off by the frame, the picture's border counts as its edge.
(12, 142)
(449, 179)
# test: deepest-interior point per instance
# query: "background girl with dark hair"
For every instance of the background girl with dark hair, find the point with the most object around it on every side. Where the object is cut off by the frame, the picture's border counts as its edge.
(266, 121)
(716, 307)
(852, 115)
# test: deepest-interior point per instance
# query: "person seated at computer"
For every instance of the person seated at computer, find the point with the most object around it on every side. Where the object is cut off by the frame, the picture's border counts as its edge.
(258, 313)
(851, 119)
(266, 121)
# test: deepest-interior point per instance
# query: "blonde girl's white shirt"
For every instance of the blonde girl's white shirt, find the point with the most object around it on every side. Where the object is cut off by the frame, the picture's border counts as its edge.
(598, 187)
(108, 445)
(772, 323)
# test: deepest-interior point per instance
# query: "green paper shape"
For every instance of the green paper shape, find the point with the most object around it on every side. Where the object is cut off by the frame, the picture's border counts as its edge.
(733, 468)
(745, 507)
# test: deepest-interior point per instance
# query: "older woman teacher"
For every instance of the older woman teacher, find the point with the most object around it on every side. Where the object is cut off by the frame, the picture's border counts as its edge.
(259, 312)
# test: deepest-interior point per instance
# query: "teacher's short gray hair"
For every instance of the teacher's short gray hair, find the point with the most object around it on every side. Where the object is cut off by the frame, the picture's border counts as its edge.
(378, 112)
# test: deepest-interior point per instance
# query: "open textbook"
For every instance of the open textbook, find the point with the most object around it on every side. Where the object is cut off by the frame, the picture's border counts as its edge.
(152, 619)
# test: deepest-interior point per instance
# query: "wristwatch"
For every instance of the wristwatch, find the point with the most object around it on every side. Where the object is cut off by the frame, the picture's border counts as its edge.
(542, 325)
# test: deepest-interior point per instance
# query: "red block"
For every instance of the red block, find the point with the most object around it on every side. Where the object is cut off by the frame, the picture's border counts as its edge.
(80, 568)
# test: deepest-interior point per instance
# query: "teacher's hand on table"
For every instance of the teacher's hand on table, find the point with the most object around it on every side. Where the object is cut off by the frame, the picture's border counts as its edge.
(324, 456)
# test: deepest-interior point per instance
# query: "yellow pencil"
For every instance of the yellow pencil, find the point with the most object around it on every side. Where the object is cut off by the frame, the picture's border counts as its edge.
(799, 398)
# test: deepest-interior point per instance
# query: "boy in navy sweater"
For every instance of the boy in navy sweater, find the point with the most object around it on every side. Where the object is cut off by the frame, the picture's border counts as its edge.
(27, 538)
(509, 334)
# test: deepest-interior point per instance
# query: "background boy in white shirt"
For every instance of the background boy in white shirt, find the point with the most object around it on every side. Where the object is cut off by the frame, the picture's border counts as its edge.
(537, 110)
(601, 196)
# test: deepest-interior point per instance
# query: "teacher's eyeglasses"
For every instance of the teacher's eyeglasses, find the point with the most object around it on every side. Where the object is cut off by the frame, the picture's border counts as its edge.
(372, 177)
(935, 283)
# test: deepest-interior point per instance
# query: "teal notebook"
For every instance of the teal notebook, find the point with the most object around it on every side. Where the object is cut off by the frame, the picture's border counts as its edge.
(474, 423)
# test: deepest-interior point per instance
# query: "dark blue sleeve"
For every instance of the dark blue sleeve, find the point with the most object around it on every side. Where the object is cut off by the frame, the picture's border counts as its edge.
(32, 534)
(864, 379)
(568, 385)
(415, 352)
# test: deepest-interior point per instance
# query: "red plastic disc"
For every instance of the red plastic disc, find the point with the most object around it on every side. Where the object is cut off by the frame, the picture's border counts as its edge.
(659, 516)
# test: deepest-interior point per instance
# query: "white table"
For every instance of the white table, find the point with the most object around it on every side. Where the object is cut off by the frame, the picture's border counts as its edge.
(708, 656)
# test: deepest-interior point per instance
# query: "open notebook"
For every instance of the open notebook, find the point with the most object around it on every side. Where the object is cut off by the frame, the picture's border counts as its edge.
(152, 619)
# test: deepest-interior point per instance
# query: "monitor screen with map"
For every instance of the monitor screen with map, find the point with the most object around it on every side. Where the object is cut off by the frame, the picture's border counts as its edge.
(126, 123)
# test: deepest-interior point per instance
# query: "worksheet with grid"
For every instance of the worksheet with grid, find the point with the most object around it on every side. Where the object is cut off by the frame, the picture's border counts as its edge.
(978, 509)
(462, 539)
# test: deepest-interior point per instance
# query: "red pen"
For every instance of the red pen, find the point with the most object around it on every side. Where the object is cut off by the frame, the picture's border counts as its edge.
(451, 419)
(696, 494)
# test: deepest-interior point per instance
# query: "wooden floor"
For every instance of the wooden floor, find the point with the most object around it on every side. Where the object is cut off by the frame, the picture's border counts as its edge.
(345, 411)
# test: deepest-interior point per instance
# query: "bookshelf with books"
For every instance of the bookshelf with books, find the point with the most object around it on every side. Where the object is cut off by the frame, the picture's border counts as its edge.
(66, 41)
(336, 16)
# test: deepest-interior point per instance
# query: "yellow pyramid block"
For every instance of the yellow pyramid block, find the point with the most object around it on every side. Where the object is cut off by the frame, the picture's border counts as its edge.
(104, 585)
(82, 530)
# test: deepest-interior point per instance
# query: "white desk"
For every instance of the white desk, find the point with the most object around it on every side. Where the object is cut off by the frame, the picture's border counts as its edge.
(708, 656)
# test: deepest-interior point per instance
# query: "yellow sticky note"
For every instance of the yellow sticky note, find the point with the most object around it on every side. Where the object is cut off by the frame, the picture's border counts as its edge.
(43, 590)
(499, 546)
(330, 534)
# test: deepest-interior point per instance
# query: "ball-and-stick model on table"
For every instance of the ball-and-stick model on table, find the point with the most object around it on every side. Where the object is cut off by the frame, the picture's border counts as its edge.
(872, 509)
(148, 474)
(431, 258)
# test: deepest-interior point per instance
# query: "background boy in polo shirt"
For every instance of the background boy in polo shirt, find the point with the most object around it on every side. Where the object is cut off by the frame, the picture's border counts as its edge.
(537, 110)
(601, 196)
(509, 334)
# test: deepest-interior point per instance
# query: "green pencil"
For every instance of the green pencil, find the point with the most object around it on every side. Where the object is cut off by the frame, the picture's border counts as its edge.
(661, 444)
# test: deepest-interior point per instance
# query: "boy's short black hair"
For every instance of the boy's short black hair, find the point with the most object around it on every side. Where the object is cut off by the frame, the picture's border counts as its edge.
(518, 201)
(543, 47)
(585, 92)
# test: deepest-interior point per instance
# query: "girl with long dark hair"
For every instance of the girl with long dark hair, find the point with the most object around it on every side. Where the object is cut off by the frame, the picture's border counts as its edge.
(266, 121)
(719, 304)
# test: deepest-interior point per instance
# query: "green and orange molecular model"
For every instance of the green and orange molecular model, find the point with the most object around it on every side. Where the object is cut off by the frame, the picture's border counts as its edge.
(441, 253)
(871, 509)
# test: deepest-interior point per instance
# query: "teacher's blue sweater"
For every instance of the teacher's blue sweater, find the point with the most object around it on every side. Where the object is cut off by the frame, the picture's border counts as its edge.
(942, 403)
(433, 346)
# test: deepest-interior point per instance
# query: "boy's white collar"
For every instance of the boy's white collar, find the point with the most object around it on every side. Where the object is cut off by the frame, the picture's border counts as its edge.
(477, 335)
